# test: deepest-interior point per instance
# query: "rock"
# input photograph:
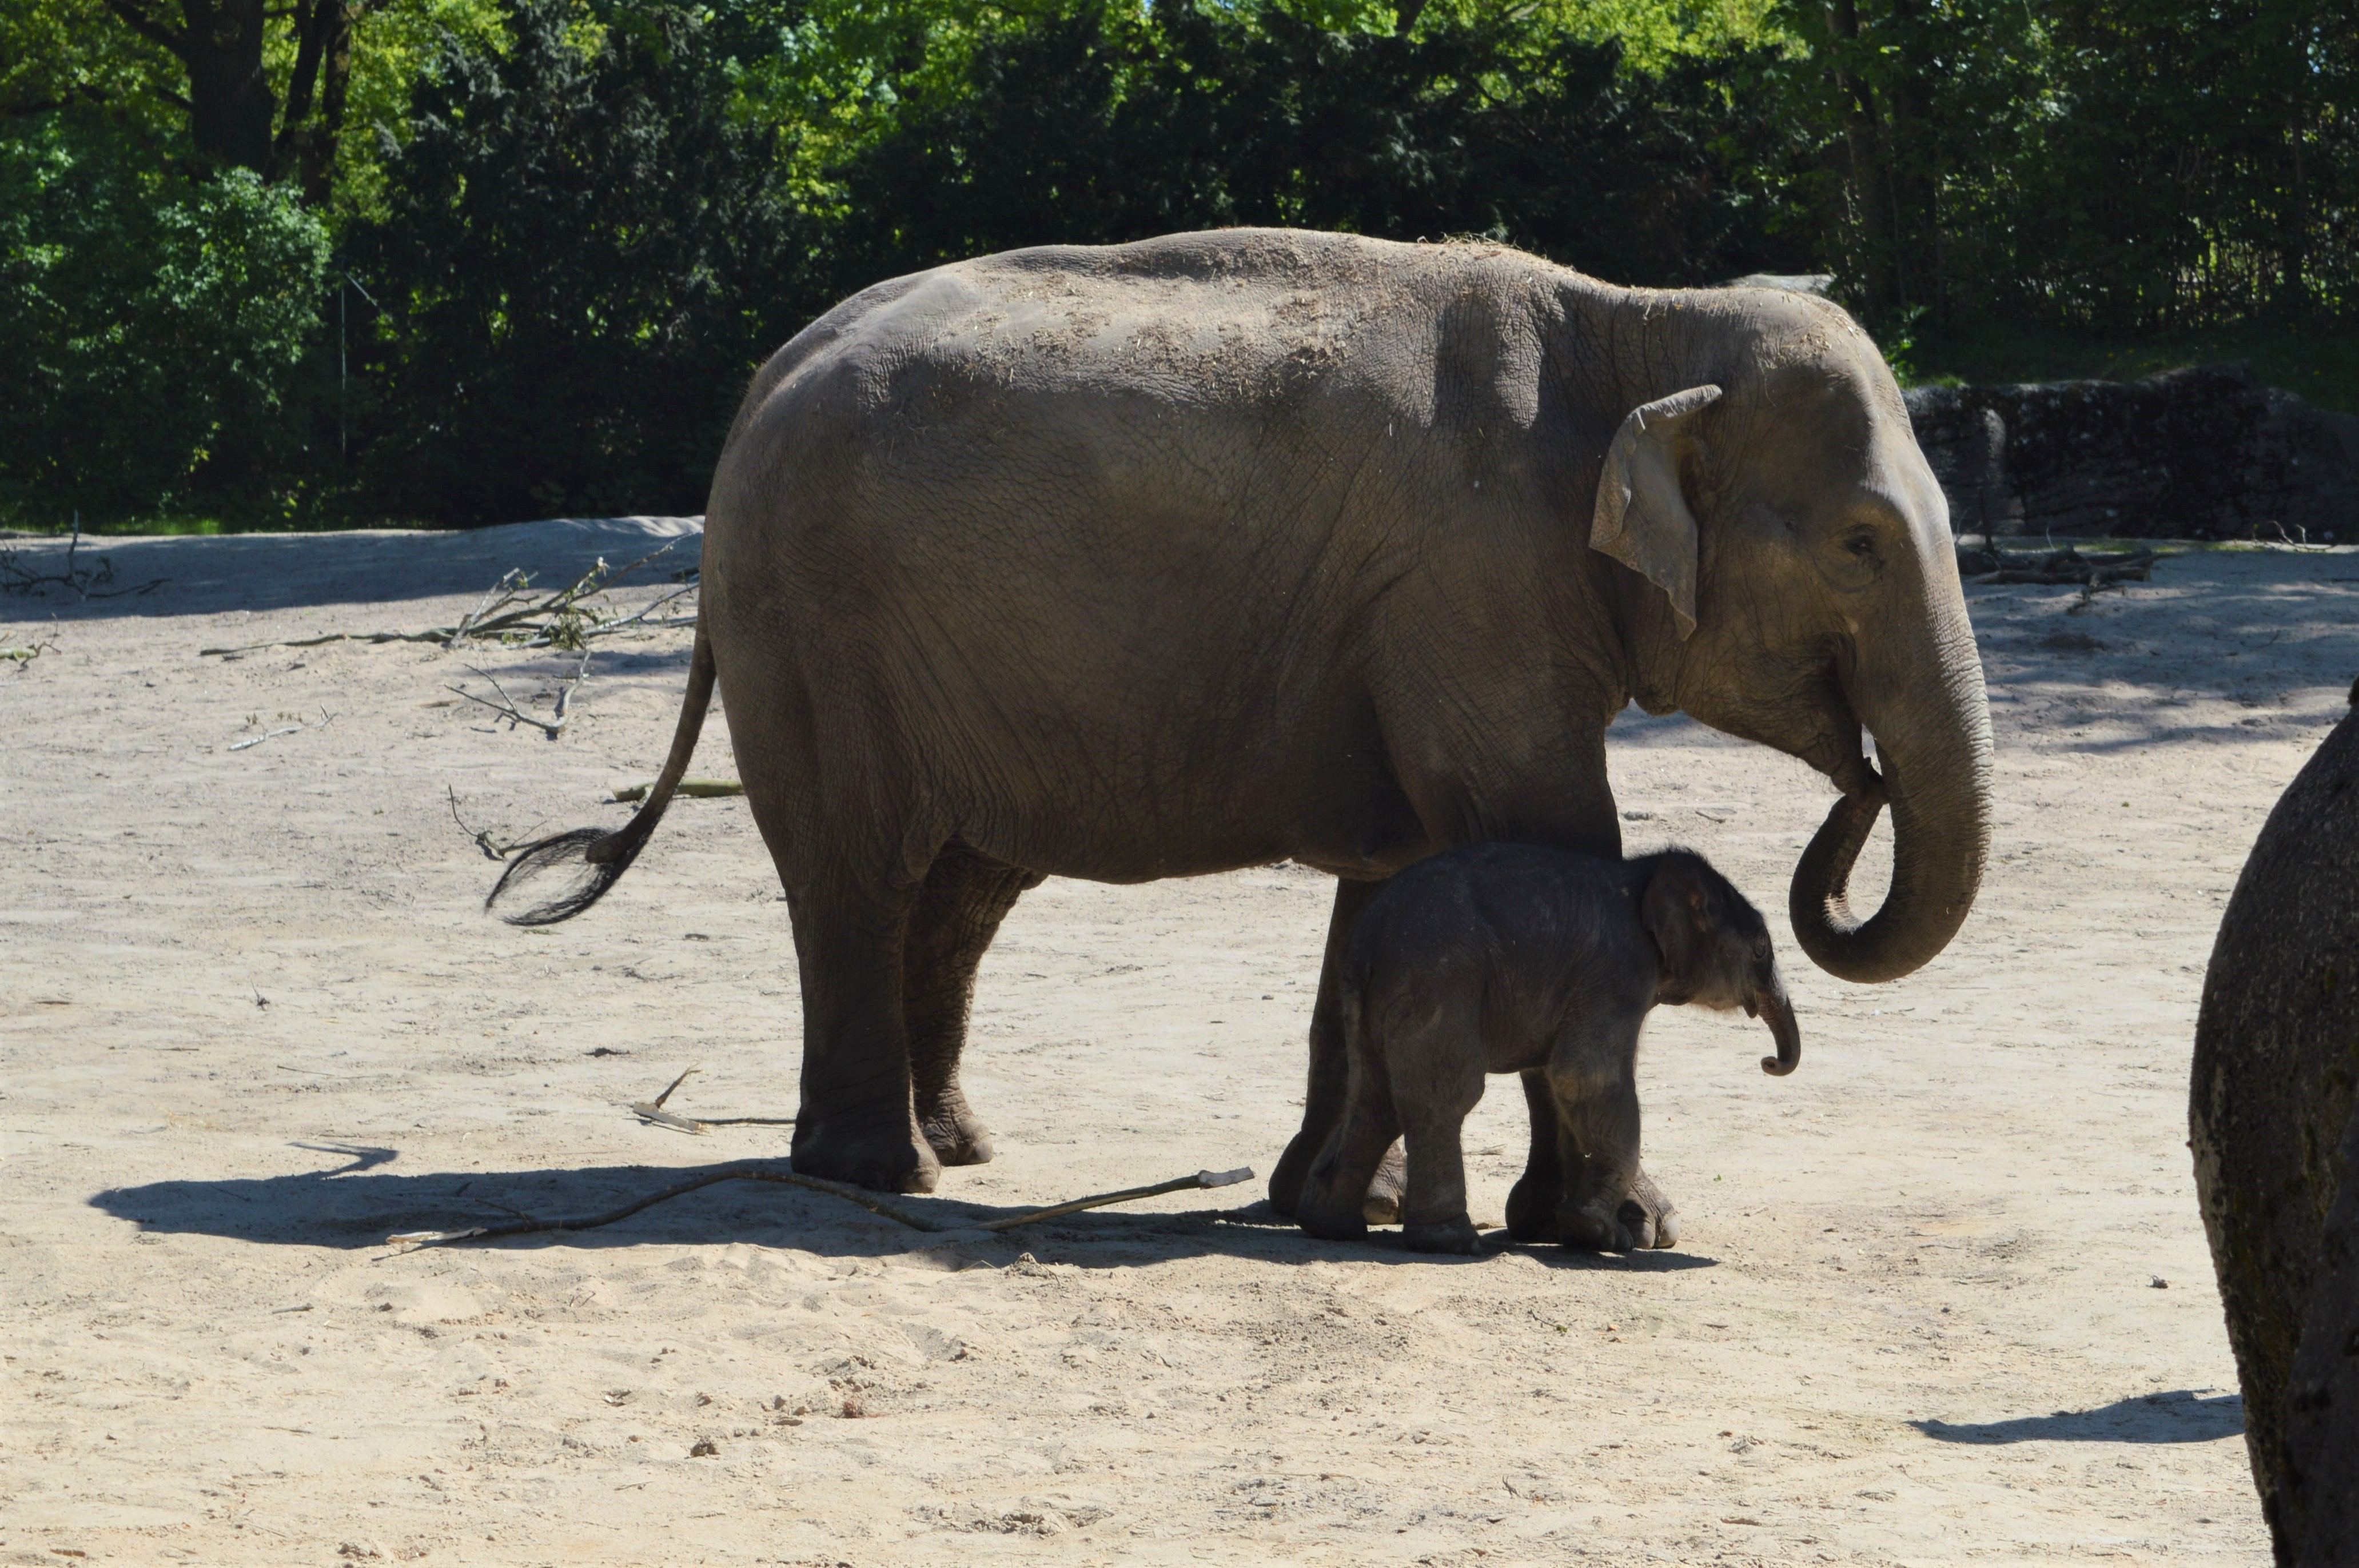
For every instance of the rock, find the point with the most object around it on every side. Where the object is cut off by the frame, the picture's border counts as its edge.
(2205, 453)
(2276, 1060)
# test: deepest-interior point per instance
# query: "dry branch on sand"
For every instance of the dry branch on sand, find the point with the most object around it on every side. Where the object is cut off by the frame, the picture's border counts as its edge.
(2063, 567)
(90, 582)
(23, 653)
(781, 1173)
(507, 708)
(703, 789)
(510, 616)
(251, 741)
(486, 839)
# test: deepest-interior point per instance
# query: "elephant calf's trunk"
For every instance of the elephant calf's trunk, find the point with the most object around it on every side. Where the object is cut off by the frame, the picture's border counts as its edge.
(1778, 1013)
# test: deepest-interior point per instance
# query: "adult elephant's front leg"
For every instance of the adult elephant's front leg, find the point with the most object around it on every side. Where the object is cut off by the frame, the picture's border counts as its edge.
(1322, 1102)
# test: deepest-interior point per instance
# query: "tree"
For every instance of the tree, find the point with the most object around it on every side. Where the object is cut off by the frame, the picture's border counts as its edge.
(230, 107)
(585, 250)
(152, 326)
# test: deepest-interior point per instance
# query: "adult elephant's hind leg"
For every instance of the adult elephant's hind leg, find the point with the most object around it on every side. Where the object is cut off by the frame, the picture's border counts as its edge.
(1323, 1102)
(958, 911)
(856, 1122)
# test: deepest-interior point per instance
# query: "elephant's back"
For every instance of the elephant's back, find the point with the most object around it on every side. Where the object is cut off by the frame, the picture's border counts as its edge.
(1194, 413)
(1241, 322)
(2276, 1060)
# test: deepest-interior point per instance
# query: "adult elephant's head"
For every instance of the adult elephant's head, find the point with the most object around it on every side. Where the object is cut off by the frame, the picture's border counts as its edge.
(1779, 501)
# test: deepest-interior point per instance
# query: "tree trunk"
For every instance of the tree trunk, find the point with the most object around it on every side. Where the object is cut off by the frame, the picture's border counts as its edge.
(230, 104)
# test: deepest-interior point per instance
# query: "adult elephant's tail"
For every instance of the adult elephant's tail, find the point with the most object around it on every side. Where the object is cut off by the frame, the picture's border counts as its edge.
(603, 857)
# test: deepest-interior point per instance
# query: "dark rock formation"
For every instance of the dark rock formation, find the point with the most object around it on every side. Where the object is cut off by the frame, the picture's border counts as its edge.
(2276, 1063)
(2193, 454)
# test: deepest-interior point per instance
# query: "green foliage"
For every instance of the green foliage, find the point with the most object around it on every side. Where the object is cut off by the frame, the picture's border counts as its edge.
(581, 223)
(2096, 165)
(583, 252)
(1096, 125)
(153, 324)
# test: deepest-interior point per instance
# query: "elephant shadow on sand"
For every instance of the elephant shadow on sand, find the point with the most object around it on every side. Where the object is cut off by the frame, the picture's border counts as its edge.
(359, 1204)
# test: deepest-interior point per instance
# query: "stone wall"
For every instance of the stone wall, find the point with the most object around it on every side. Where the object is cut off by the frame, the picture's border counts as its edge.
(2206, 453)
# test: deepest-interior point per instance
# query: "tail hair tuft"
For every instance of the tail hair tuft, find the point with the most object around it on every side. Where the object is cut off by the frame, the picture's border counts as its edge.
(565, 852)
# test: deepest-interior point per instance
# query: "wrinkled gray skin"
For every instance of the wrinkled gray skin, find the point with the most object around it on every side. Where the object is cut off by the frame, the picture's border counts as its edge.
(1519, 959)
(1165, 558)
(2273, 1122)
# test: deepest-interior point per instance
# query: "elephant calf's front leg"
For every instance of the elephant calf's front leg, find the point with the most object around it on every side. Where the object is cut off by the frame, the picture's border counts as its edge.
(1608, 1203)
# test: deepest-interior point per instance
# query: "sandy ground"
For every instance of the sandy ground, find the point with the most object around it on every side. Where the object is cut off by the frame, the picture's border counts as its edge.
(1941, 1297)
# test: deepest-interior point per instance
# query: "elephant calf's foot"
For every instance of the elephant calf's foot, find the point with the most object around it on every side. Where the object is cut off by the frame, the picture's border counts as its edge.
(882, 1162)
(1327, 1210)
(1531, 1210)
(1456, 1234)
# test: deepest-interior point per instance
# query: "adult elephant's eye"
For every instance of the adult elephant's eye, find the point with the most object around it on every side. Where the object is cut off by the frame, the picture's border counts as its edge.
(1862, 544)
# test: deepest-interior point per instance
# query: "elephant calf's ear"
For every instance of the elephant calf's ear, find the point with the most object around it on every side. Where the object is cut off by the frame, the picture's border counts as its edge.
(1642, 518)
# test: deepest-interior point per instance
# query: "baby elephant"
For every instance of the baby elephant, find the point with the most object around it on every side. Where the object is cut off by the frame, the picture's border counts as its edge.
(1513, 959)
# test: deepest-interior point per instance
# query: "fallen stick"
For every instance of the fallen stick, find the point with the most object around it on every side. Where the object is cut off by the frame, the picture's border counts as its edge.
(867, 1200)
(326, 719)
(703, 789)
(653, 1111)
(1102, 1200)
(507, 708)
(483, 836)
(2057, 569)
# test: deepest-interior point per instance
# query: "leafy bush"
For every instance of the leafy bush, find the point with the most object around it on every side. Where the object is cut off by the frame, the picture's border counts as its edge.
(152, 323)
(584, 253)
(1093, 126)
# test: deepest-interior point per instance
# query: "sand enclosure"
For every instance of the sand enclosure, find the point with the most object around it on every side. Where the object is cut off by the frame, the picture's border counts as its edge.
(1942, 1296)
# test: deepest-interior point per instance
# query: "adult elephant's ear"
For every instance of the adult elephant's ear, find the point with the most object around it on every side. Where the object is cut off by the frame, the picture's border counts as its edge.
(1642, 519)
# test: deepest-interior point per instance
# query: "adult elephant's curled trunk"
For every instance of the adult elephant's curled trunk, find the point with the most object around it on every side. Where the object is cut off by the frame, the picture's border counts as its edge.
(1936, 778)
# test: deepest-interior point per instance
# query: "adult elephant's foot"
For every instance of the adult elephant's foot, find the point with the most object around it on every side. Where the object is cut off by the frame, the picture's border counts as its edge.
(884, 1159)
(1457, 1236)
(1639, 1219)
(1382, 1204)
(955, 1133)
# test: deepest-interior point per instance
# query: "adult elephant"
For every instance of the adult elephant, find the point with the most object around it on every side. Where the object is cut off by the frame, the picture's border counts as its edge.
(2273, 1115)
(1171, 558)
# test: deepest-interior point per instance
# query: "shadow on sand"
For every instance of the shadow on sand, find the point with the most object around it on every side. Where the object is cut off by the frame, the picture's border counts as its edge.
(359, 1204)
(2182, 1415)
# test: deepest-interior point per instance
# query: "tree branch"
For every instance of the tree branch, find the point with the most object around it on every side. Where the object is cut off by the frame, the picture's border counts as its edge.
(149, 28)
